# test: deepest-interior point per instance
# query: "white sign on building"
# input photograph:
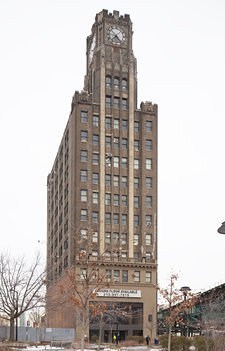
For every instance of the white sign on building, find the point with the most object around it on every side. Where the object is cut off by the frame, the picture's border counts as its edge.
(118, 293)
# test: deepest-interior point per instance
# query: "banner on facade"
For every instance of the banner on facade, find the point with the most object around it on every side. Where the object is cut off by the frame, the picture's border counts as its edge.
(118, 293)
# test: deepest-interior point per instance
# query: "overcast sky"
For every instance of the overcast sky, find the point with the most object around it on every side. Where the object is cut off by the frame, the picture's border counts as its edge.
(180, 51)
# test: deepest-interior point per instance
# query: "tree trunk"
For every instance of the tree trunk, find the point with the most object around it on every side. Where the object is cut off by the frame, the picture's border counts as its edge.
(169, 338)
(11, 333)
(82, 334)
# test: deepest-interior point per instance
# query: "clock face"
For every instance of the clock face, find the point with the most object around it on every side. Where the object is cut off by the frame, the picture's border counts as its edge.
(92, 47)
(116, 35)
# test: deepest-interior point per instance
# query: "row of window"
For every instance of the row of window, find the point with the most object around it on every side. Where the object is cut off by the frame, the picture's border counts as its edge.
(116, 141)
(115, 198)
(122, 238)
(109, 122)
(115, 82)
(117, 275)
(114, 218)
(116, 102)
(114, 180)
(115, 160)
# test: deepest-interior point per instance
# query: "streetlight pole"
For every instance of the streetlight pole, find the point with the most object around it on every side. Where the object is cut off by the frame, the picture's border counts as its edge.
(185, 290)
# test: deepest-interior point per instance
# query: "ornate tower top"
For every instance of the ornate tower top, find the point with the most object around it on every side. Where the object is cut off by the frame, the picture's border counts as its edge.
(110, 44)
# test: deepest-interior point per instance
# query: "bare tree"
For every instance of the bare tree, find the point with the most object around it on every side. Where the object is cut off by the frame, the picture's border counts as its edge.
(211, 317)
(176, 304)
(21, 287)
(108, 313)
(83, 282)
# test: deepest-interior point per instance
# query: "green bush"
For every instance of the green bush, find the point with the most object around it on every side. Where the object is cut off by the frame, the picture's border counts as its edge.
(177, 342)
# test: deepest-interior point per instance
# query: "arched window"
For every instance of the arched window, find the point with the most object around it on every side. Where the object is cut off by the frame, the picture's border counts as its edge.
(108, 82)
(124, 84)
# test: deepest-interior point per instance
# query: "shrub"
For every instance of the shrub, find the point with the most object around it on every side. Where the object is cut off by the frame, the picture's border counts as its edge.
(136, 339)
(94, 338)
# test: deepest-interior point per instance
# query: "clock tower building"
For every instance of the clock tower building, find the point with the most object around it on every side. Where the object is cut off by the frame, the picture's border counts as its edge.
(104, 181)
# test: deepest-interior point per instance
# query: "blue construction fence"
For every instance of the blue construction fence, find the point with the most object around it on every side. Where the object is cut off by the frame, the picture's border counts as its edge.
(28, 334)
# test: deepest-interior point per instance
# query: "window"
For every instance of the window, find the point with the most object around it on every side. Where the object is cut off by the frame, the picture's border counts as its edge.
(116, 123)
(136, 183)
(124, 162)
(116, 218)
(116, 102)
(108, 122)
(136, 239)
(116, 83)
(108, 141)
(116, 200)
(148, 239)
(94, 178)
(124, 181)
(108, 274)
(148, 201)
(95, 121)
(136, 220)
(148, 277)
(95, 237)
(95, 159)
(83, 175)
(84, 156)
(124, 124)
(136, 145)
(94, 217)
(108, 81)
(124, 200)
(136, 163)
(116, 276)
(148, 144)
(124, 254)
(83, 234)
(107, 179)
(108, 101)
(95, 139)
(84, 116)
(124, 104)
(136, 255)
(108, 199)
(136, 201)
(124, 239)
(94, 253)
(108, 237)
(116, 180)
(83, 215)
(83, 273)
(115, 238)
(83, 195)
(124, 84)
(148, 126)
(107, 218)
(94, 197)
(148, 255)
(148, 163)
(83, 136)
(124, 219)
(136, 276)
(108, 159)
(148, 220)
(124, 276)
(116, 161)
(148, 182)
(124, 143)
(116, 142)
(136, 126)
